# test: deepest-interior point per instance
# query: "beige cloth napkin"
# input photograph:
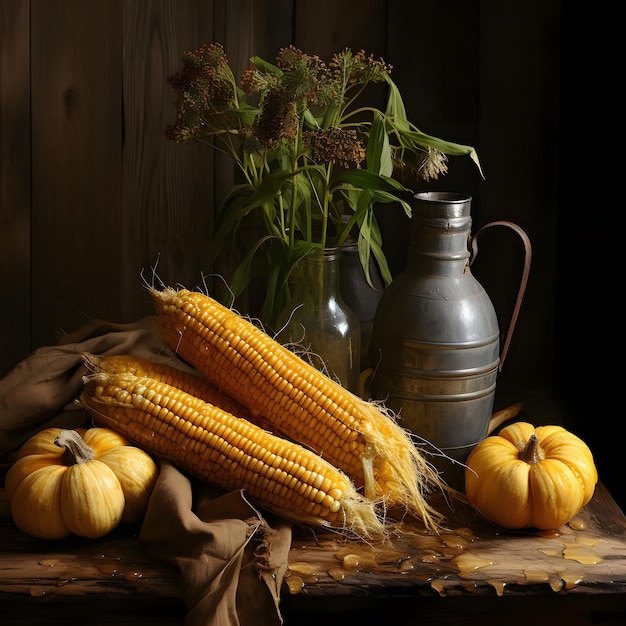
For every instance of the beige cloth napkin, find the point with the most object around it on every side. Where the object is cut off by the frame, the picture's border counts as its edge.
(231, 556)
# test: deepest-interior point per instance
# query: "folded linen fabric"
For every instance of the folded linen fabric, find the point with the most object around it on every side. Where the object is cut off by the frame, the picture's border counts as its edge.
(224, 548)
(41, 389)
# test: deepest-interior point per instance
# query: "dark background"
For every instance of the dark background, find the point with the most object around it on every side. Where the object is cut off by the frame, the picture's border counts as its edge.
(589, 321)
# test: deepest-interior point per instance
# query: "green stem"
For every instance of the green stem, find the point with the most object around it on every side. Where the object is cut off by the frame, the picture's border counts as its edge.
(292, 207)
(325, 204)
(295, 155)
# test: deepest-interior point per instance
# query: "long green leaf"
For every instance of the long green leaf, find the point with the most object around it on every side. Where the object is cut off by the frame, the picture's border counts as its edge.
(365, 179)
(395, 104)
(247, 269)
(448, 147)
(399, 123)
(378, 149)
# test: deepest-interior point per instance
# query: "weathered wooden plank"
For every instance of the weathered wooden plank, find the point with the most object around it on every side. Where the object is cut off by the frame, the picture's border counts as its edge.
(76, 149)
(414, 610)
(585, 559)
(167, 187)
(518, 141)
(325, 27)
(586, 556)
(15, 171)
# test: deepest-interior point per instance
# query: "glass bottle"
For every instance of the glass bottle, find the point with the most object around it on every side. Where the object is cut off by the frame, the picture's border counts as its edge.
(318, 325)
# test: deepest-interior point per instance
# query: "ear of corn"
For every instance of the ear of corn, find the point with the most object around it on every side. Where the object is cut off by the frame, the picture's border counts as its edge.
(190, 382)
(300, 402)
(227, 451)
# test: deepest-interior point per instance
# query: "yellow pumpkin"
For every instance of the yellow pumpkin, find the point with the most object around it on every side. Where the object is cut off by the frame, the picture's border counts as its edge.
(527, 477)
(83, 482)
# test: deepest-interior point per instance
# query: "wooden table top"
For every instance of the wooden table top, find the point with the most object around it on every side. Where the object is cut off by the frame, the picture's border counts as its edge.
(586, 556)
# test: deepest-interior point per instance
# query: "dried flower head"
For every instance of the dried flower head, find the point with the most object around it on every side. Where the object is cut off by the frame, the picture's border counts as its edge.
(204, 88)
(425, 164)
(307, 78)
(277, 120)
(256, 82)
(435, 164)
(338, 145)
(358, 69)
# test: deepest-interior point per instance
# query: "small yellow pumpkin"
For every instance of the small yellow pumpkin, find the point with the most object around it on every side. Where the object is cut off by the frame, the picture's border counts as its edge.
(527, 477)
(83, 482)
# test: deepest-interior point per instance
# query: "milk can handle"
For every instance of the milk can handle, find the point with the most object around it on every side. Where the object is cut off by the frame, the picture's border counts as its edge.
(523, 282)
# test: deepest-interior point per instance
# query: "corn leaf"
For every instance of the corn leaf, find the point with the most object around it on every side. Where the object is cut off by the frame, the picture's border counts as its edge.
(409, 134)
(378, 148)
(370, 181)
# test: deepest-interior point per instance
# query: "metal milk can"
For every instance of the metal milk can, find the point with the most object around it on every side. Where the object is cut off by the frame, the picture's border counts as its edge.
(435, 346)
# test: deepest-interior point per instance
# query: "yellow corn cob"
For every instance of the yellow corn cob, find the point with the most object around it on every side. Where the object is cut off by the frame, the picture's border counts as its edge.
(227, 451)
(300, 402)
(190, 382)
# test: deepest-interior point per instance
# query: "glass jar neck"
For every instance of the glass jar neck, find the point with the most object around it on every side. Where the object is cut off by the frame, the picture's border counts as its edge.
(320, 274)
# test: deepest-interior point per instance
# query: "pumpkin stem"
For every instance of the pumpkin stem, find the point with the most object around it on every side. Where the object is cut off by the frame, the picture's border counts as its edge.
(531, 452)
(76, 450)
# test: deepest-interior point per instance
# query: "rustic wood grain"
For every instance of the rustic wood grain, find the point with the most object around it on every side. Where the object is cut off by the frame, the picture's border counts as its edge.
(472, 572)
(167, 188)
(325, 27)
(586, 556)
(15, 190)
(76, 128)
(433, 48)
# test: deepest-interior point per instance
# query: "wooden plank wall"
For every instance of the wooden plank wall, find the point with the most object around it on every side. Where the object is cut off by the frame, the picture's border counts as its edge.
(94, 199)
(15, 188)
